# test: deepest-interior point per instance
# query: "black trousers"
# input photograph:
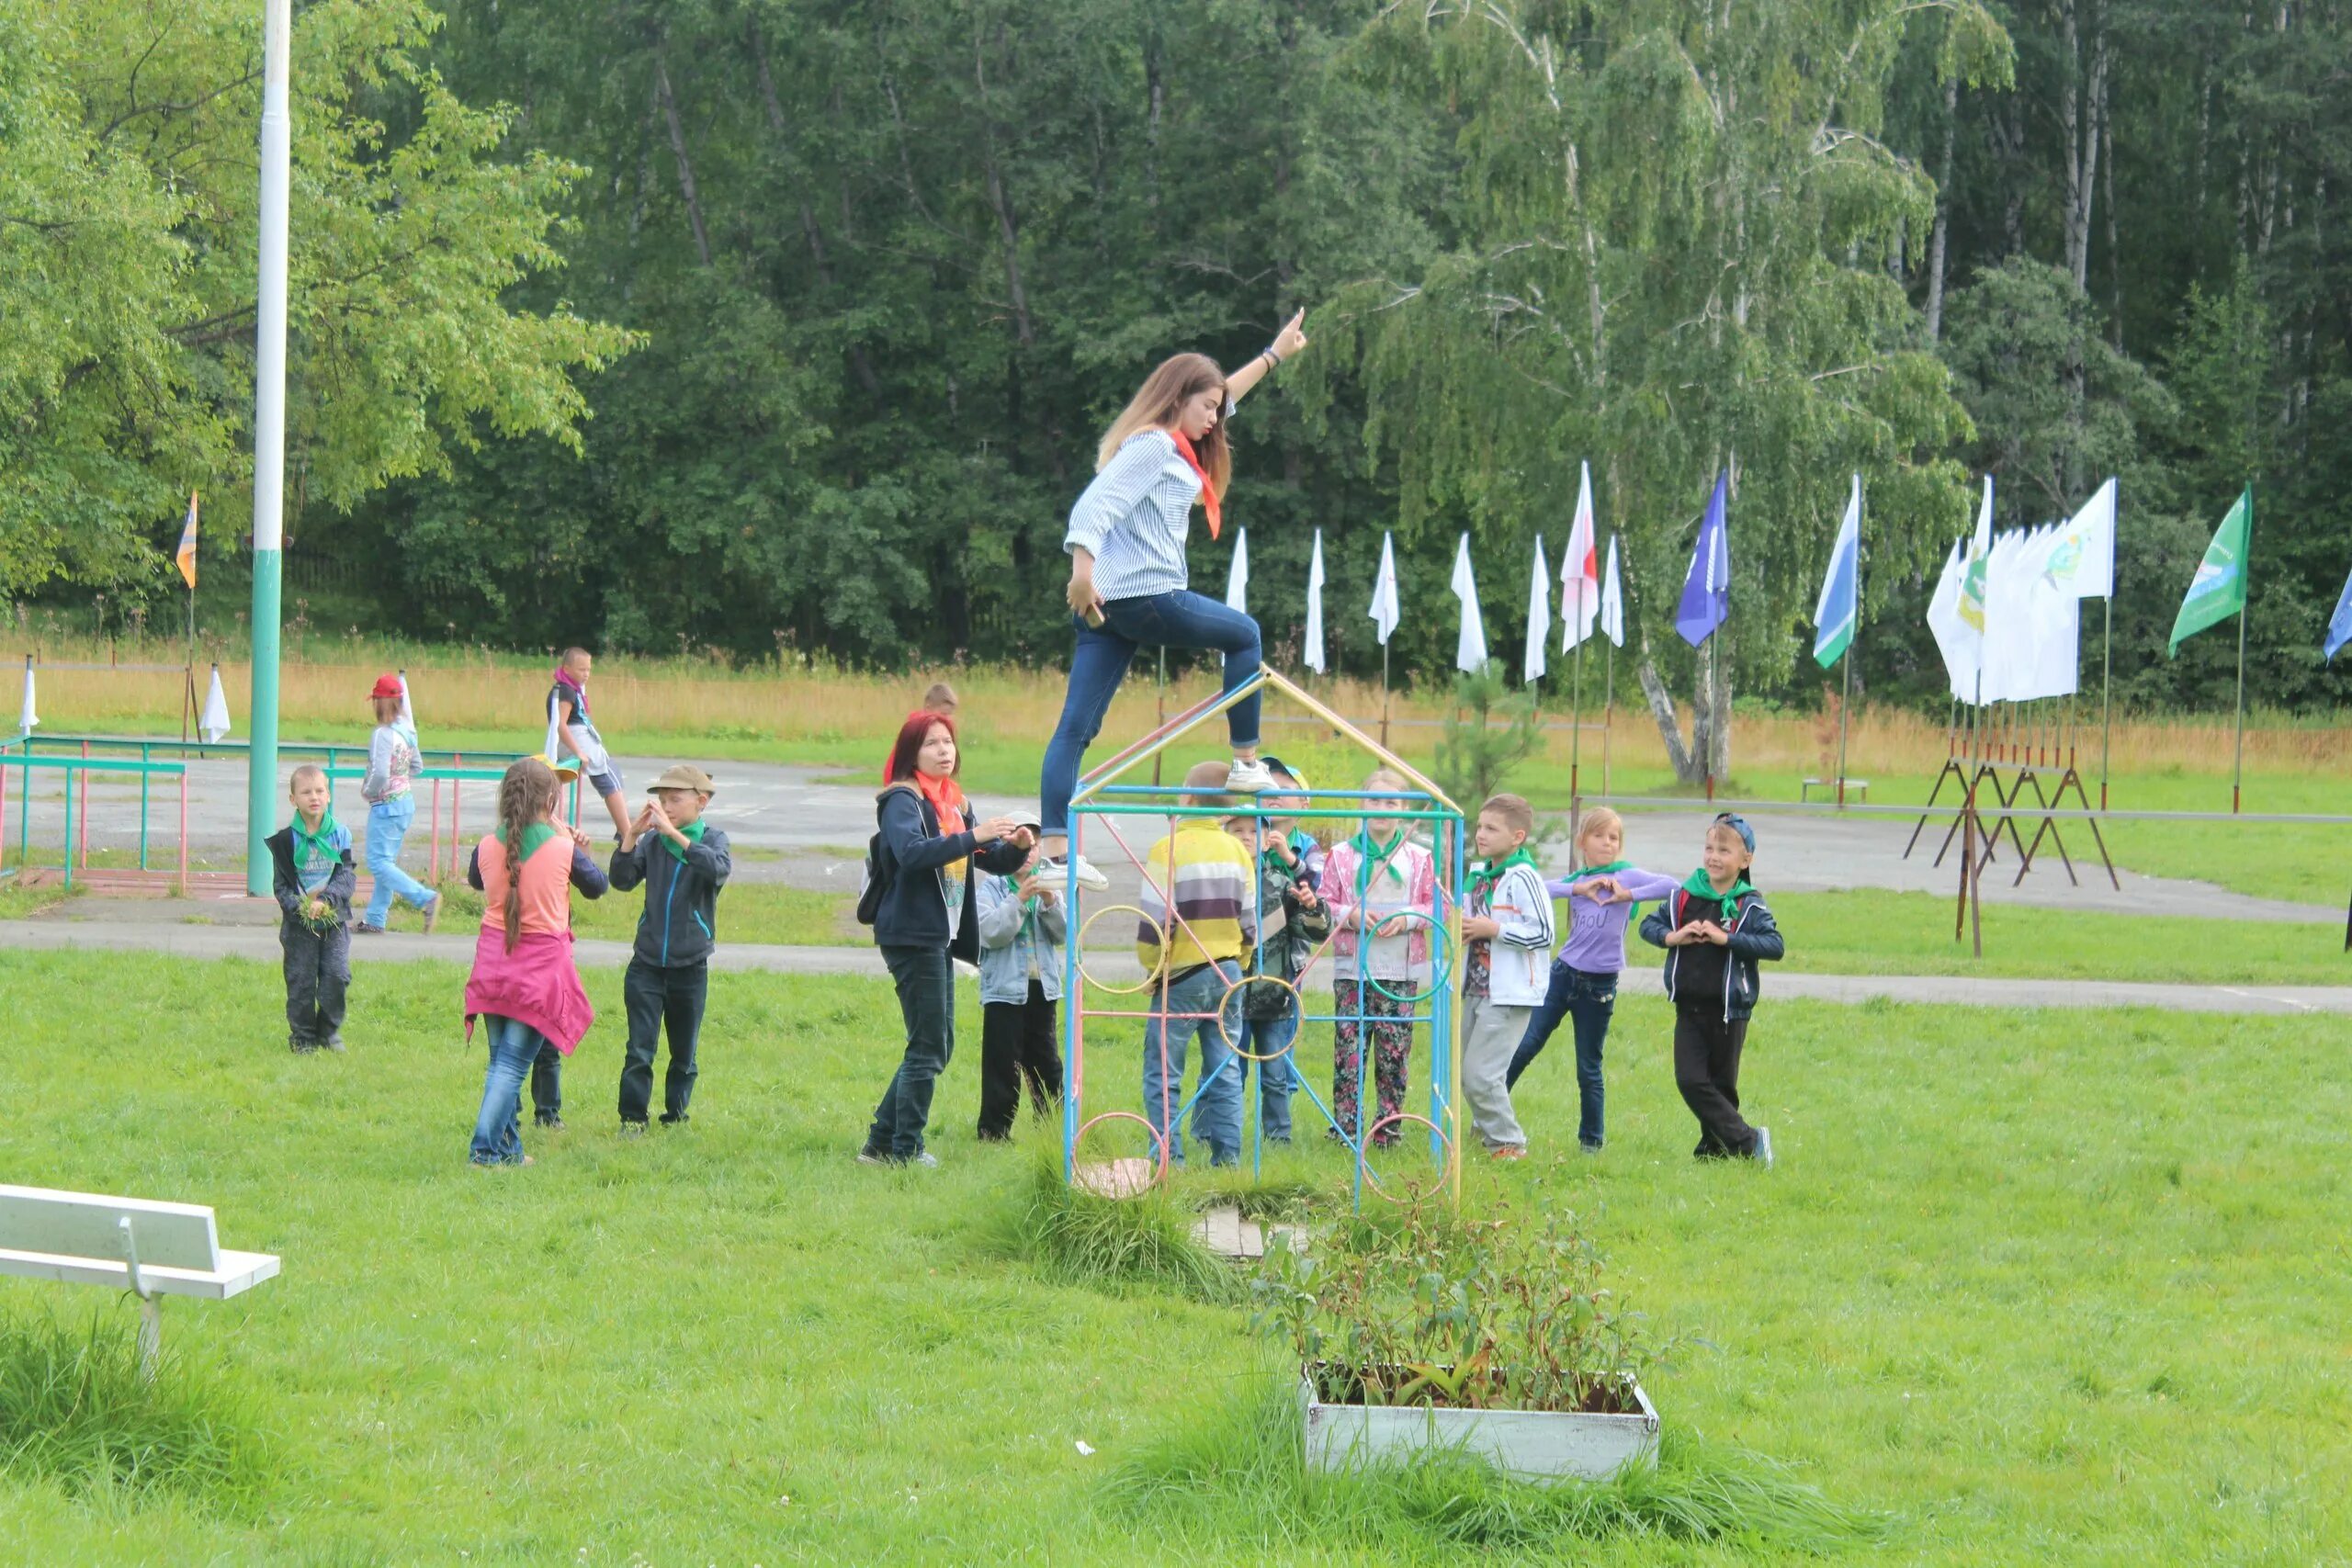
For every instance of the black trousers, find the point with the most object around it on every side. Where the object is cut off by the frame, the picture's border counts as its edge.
(1706, 1070)
(659, 998)
(318, 974)
(547, 1084)
(926, 984)
(1018, 1044)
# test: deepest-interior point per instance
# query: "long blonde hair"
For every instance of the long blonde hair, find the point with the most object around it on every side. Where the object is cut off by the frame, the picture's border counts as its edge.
(1158, 403)
(526, 796)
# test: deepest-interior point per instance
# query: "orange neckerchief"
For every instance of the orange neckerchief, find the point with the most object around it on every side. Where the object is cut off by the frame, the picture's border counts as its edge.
(1209, 501)
(947, 798)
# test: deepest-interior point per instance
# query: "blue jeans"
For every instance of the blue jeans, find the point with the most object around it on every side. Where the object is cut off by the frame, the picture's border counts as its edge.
(513, 1046)
(1216, 1113)
(926, 984)
(387, 828)
(1277, 1078)
(1590, 1000)
(1099, 662)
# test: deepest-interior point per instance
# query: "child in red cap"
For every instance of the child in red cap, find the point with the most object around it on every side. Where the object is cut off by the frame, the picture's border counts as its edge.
(392, 760)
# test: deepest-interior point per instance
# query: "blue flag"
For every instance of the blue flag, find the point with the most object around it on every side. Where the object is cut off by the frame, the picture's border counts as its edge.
(2339, 624)
(1833, 617)
(1706, 591)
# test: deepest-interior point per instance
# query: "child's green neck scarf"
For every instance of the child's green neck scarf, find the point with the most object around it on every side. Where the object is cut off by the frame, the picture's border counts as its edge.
(1612, 869)
(314, 846)
(1486, 873)
(535, 835)
(693, 831)
(1700, 886)
(1382, 855)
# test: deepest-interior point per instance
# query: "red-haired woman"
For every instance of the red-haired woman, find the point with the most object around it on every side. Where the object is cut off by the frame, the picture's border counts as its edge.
(926, 920)
(1127, 581)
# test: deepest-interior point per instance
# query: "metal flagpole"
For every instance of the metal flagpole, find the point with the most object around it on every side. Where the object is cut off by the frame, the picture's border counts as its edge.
(2246, 596)
(1575, 715)
(1845, 701)
(1608, 715)
(2105, 688)
(1383, 696)
(269, 438)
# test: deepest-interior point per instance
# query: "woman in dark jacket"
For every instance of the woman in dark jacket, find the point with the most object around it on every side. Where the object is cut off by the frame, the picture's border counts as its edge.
(926, 920)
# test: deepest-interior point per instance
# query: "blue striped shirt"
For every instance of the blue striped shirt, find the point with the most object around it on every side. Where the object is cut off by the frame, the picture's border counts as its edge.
(1134, 518)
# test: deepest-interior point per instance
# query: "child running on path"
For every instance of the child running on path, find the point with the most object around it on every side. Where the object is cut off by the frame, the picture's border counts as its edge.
(576, 735)
(392, 760)
(1022, 931)
(312, 877)
(1714, 929)
(682, 861)
(1583, 984)
(524, 985)
(1507, 936)
(1382, 891)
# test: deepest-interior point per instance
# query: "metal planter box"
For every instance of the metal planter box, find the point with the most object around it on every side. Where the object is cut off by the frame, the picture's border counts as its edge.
(1538, 1445)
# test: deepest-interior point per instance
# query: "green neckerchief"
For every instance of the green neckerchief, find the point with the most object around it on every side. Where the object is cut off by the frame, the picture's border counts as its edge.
(1698, 886)
(535, 835)
(1612, 869)
(693, 831)
(1377, 854)
(1486, 874)
(310, 846)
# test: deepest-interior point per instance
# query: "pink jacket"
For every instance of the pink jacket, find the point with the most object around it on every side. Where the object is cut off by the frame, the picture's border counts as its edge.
(538, 984)
(1386, 958)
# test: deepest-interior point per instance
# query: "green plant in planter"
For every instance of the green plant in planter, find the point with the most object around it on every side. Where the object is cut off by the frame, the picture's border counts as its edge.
(1478, 1314)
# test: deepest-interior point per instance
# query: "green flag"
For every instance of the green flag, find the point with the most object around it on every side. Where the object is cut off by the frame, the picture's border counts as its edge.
(2218, 592)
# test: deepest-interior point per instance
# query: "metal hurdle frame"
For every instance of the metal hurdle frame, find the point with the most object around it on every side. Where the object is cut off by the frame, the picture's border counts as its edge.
(1101, 796)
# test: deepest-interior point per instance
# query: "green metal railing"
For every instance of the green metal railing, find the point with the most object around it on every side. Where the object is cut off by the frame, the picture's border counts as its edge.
(77, 769)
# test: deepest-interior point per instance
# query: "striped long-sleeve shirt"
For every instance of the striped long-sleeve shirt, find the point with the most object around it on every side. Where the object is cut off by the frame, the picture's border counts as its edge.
(1214, 880)
(1136, 515)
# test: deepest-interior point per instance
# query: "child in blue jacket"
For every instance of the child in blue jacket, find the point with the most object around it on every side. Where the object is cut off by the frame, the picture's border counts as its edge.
(683, 861)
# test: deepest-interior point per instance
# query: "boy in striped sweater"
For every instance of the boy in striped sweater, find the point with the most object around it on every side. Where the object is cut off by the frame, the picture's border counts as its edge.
(1212, 884)
(1507, 950)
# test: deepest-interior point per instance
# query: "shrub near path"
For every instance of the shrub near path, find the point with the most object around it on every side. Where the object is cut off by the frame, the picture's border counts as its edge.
(2040, 1287)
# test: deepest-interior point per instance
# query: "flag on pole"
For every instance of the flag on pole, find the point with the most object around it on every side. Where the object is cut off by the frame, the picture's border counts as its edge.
(406, 717)
(1315, 607)
(27, 720)
(2082, 560)
(215, 722)
(1539, 619)
(1978, 571)
(552, 753)
(2218, 591)
(2339, 624)
(1579, 569)
(1237, 586)
(1470, 649)
(1384, 590)
(1612, 601)
(186, 555)
(1952, 636)
(1706, 587)
(1834, 615)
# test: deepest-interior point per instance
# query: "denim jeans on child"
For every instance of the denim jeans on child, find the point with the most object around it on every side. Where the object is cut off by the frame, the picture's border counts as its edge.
(388, 823)
(1277, 1075)
(513, 1045)
(1590, 1000)
(926, 983)
(1216, 1113)
(1099, 662)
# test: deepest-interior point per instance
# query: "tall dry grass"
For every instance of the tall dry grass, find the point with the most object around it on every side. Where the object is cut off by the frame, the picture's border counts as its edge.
(325, 681)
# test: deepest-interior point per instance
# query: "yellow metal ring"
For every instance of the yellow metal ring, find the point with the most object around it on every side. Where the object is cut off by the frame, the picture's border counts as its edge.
(1148, 981)
(1225, 1030)
(1370, 1132)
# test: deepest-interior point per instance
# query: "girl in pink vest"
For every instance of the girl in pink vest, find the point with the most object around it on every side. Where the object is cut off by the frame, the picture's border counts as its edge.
(524, 986)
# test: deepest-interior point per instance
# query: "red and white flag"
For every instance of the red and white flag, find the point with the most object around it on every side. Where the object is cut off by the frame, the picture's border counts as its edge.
(1579, 569)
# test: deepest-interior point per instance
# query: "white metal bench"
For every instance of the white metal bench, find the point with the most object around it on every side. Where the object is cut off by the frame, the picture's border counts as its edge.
(149, 1248)
(1856, 786)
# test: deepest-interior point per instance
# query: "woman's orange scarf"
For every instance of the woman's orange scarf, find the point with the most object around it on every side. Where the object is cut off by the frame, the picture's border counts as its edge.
(1210, 502)
(947, 798)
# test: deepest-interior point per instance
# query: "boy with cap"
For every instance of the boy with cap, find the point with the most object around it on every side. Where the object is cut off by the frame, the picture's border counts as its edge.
(1714, 929)
(1022, 929)
(683, 861)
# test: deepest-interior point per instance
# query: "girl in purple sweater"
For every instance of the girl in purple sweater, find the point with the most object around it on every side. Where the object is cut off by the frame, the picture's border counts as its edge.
(1584, 976)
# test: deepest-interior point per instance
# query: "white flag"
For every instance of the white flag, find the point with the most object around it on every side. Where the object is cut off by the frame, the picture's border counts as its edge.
(1384, 590)
(406, 717)
(1612, 601)
(1470, 650)
(1237, 586)
(1953, 639)
(1315, 607)
(27, 720)
(2082, 562)
(1539, 618)
(553, 754)
(1580, 569)
(215, 722)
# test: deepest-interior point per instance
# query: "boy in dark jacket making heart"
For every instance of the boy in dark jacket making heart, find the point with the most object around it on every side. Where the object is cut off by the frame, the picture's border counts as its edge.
(1714, 929)
(683, 861)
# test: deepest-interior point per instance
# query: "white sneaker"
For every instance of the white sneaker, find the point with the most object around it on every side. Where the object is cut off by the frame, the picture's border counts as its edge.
(1249, 776)
(1053, 871)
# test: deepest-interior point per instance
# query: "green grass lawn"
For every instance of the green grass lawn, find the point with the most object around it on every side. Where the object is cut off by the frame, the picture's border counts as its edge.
(2047, 1288)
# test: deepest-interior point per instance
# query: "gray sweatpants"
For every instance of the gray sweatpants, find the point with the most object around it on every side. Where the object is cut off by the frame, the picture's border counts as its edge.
(1489, 1034)
(318, 971)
